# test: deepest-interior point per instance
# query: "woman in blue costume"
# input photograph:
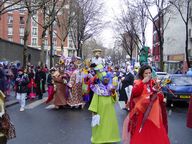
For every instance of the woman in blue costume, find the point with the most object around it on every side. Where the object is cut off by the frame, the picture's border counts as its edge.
(102, 104)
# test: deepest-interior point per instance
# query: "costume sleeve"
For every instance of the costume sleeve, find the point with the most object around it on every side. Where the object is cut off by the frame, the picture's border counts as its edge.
(94, 103)
(137, 89)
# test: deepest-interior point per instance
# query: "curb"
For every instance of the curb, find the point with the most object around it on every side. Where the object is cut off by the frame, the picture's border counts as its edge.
(10, 103)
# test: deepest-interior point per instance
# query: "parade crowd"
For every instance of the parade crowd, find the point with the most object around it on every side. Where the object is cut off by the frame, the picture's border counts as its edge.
(74, 84)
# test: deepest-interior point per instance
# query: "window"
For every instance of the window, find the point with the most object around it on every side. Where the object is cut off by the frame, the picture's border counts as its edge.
(71, 43)
(71, 53)
(46, 33)
(54, 42)
(10, 39)
(21, 31)
(46, 42)
(54, 33)
(10, 19)
(21, 41)
(34, 31)
(22, 21)
(10, 31)
(34, 22)
(34, 41)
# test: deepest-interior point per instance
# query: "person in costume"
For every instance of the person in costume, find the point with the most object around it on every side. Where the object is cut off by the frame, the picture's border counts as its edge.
(60, 80)
(147, 120)
(97, 57)
(102, 106)
(189, 113)
(7, 129)
(75, 98)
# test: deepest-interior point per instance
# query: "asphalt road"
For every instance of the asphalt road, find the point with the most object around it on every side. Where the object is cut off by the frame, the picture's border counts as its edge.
(38, 125)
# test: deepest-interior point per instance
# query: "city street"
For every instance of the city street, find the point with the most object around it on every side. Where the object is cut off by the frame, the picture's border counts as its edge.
(39, 125)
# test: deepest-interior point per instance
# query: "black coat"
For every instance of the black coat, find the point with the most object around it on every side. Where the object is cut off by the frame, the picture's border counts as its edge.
(21, 83)
(129, 80)
(40, 79)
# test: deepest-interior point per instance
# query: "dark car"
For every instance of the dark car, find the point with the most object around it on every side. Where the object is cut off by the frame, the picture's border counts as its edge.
(179, 88)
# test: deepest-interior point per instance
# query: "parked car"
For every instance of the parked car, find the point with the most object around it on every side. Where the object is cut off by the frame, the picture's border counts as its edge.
(161, 75)
(179, 88)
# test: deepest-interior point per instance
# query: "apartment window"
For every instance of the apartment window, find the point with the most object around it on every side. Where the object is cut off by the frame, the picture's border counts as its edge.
(54, 33)
(54, 42)
(71, 53)
(10, 31)
(22, 21)
(34, 41)
(34, 31)
(21, 31)
(70, 43)
(21, 41)
(70, 35)
(46, 42)
(10, 19)
(34, 23)
(46, 33)
(10, 39)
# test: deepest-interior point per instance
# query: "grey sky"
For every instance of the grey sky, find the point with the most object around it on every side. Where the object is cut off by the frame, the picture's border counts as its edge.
(112, 9)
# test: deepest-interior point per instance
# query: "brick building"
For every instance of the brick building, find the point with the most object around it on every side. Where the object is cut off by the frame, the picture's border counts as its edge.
(12, 27)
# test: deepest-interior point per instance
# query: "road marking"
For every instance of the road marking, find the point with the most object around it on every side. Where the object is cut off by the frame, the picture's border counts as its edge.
(36, 103)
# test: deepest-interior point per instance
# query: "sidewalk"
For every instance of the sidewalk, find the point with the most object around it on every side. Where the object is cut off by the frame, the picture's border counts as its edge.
(11, 99)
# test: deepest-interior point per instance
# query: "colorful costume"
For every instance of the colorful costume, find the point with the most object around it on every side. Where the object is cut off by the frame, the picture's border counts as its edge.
(60, 97)
(189, 114)
(103, 104)
(75, 97)
(153, 129)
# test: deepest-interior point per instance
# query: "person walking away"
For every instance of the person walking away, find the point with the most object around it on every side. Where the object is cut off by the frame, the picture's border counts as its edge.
(146, 122)
(21, 83)
(40, 79)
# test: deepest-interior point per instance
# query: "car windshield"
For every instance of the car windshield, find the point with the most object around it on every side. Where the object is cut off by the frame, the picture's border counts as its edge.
(182, 80)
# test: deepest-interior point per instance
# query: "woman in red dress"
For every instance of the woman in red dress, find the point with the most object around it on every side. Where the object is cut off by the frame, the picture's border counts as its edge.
(147, 121)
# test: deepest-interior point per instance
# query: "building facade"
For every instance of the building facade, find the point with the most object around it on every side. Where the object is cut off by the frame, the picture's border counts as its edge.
(12, 28)
(174, 55)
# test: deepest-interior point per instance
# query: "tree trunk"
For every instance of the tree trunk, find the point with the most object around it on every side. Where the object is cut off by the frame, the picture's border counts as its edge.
(51, 45)
(42, 55)
(186, 47)
(25, 39)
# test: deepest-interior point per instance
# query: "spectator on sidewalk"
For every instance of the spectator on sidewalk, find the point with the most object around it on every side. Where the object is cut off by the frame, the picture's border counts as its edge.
(2, 78)
(40, 79)
(21, 83)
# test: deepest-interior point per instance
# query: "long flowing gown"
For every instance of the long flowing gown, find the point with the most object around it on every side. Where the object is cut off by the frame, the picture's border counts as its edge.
(108, 130)
(154, 129)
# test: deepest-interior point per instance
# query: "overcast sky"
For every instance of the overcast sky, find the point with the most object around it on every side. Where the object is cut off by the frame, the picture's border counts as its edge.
(112, 9)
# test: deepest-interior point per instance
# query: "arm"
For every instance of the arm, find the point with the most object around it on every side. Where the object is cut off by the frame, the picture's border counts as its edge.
(137, 89)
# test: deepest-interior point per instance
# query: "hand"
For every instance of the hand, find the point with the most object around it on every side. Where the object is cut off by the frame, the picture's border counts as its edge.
(146, 79)
(122, 78)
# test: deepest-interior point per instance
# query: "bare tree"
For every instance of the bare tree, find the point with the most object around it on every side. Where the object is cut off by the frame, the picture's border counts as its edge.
(128, 27)
(50, 9)
(8, 5)
(87, 23)
(184, 7)
(158, 21)
(32, 7)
